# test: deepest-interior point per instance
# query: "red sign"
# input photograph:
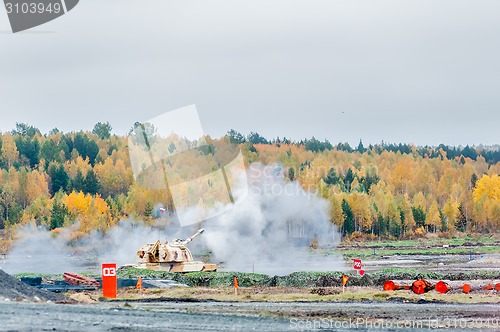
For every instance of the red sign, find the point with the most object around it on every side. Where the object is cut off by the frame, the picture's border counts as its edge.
(109, 283)
(361, 272)
(357, 264)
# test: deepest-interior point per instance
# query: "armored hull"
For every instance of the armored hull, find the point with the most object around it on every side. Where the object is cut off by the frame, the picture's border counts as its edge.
(171, 257)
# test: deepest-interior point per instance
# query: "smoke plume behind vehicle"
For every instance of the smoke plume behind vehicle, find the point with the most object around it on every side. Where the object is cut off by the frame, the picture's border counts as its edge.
(270, 231)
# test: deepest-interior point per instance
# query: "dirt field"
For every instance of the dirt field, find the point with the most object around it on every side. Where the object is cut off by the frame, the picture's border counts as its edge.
(297, 294)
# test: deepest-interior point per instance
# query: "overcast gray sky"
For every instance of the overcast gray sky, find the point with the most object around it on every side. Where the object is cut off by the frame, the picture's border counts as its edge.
(424, 72)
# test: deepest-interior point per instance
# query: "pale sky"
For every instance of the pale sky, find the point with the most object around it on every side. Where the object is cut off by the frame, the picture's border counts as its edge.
(423, 72)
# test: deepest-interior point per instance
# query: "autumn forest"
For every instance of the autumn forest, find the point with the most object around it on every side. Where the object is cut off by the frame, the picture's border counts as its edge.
(84, 181)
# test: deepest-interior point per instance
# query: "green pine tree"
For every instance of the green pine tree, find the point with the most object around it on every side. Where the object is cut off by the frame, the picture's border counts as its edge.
(92, 185)
(348, 217)
(57, 215)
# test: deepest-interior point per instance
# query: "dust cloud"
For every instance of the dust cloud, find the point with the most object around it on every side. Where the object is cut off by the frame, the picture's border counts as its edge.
(269, 230)
(38, 250)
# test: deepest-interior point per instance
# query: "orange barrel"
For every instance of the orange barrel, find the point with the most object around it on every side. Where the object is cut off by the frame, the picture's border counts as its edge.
(389, 285)
(442, 287)
(466, 288)
(421, 286)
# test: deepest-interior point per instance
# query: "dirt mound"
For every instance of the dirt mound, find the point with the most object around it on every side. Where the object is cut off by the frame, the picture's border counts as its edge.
(83, 298)
(13, 289)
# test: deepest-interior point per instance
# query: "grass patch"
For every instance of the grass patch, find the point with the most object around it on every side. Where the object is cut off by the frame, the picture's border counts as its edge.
(478, 240)
(296, 279)
(43, 276)
(202, 279)
(388, 251)
(305, 279)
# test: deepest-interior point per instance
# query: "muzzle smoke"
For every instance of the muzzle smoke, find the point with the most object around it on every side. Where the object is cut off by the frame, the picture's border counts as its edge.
(269, 231)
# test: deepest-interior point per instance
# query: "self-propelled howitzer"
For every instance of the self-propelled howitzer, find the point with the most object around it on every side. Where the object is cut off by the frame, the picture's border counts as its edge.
(171, 257)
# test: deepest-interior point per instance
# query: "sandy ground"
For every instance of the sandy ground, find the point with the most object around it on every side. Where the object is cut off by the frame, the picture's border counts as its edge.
(297, 294)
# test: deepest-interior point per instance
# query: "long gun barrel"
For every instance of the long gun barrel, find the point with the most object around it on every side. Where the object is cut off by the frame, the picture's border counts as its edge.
(189, 239)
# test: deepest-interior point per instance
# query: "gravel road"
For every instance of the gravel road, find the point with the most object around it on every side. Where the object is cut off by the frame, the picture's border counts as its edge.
(232, 316)
(54, 317)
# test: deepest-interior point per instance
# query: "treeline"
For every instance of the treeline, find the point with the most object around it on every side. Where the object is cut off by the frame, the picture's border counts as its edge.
(59, 177)
(382, 190)
(490, 154)
(387, 190)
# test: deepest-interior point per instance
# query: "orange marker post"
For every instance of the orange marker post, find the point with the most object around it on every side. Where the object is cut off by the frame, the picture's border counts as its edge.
(344, 282)
(139, 283)
(236, 286)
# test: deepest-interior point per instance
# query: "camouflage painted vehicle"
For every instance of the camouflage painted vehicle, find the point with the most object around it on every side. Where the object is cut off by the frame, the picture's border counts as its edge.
(171, 257)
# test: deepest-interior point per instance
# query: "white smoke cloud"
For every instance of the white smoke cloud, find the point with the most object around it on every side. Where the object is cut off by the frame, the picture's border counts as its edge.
(37, 250)
(269, 230)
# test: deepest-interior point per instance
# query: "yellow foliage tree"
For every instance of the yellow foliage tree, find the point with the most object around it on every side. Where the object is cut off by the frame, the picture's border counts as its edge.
(433, 218)
(450, 212)
(488, 187)
(78, 203)
(91, 212)
(361, 209)
(9, 151)
(336, 214)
